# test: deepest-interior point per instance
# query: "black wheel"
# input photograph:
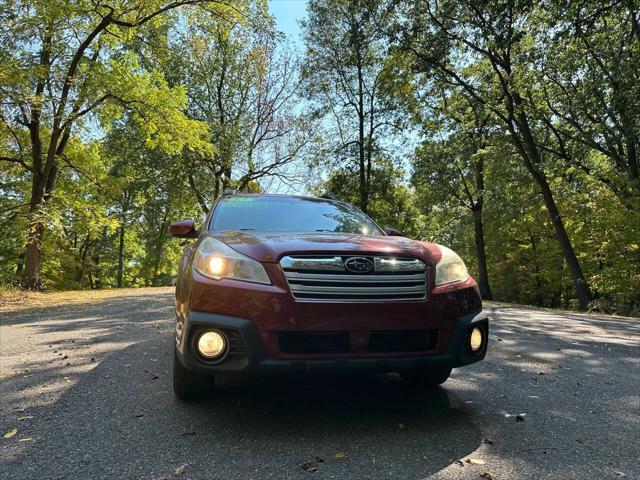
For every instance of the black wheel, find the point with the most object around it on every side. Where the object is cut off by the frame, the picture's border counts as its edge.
(188, 384)
(426, 378)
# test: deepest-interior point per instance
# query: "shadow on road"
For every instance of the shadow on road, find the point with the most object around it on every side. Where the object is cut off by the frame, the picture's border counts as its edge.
(121, 420)
(95, 380)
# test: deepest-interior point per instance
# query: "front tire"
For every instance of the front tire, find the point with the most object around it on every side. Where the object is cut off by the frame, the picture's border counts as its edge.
(426, 378)
(188, 384)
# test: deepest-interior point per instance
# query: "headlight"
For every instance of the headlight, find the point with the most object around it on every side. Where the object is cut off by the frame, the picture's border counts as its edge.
(450, 268)
(216, 260)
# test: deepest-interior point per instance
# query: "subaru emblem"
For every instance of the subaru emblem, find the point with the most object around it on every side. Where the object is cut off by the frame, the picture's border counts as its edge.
(359, 265)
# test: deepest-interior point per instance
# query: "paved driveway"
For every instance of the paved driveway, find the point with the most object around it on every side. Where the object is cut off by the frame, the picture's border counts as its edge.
(89, 390)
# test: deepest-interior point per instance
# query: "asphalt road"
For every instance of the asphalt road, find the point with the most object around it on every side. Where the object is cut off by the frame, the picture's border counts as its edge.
(90, 386)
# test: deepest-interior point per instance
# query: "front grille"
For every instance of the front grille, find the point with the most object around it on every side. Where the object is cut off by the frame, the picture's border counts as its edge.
(401, 341)
(391, 341)
(327, 278)
(305, 343)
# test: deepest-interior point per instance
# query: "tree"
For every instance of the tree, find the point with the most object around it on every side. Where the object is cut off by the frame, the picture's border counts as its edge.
(391, 200)
(484, 50)
(588, 71)
(344, 71)
(242, 81)
(450, 166)
(66, 62)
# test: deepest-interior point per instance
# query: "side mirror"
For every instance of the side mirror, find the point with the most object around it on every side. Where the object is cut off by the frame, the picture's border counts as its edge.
(393, 232)
(184, 229)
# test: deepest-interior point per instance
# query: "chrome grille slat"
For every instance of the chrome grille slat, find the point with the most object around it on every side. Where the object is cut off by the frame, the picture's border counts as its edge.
(355, 290)
(307, 263)
(346, 278)
(393, 265)
(325, 278)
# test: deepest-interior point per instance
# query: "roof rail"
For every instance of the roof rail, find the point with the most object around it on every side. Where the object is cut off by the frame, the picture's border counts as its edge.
(328, 196)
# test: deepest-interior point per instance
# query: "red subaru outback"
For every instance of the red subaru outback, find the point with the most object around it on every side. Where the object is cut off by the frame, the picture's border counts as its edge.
(303, 284)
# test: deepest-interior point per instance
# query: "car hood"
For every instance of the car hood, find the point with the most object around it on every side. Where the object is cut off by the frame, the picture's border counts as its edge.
(270, 247)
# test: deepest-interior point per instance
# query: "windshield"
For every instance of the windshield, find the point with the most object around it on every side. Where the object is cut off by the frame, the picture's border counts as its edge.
(290, 214)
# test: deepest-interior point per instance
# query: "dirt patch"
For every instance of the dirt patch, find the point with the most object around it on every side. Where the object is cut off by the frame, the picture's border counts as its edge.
(20, 300)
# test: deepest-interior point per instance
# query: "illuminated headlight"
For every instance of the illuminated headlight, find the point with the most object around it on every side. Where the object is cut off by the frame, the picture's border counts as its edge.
(475, 339)
(216, 260)
(211, 344)
(450, 268)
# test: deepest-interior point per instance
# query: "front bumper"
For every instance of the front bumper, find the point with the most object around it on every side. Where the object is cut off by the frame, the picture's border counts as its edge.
(247, 354)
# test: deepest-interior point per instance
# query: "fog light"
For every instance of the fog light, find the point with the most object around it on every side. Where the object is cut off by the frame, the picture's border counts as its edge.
(211, 344)
(475, 341)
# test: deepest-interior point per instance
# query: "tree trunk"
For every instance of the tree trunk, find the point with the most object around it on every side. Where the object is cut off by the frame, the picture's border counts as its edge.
(361, 147)
(478, 206)
(538, 299)
(580, 283)
(84, 250)
(97, 259)
(155, 279)
(483, 276)
(20, 265)
(120, 256)
(528, 149)
(216, 187)
(32, 256)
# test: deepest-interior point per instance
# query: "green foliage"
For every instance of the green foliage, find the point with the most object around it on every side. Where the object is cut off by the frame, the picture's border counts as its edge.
(391, 203)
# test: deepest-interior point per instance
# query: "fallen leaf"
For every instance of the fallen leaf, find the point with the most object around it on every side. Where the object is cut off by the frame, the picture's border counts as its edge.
(181, 469)
(620, 474)
(520, 417)
(487, 441)
(401, 426)
(309, 467)
(488, 475)
(28, 417)
(25, 439)
(460, 462)
(10, 433)
(340, 455)
(475, 461)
